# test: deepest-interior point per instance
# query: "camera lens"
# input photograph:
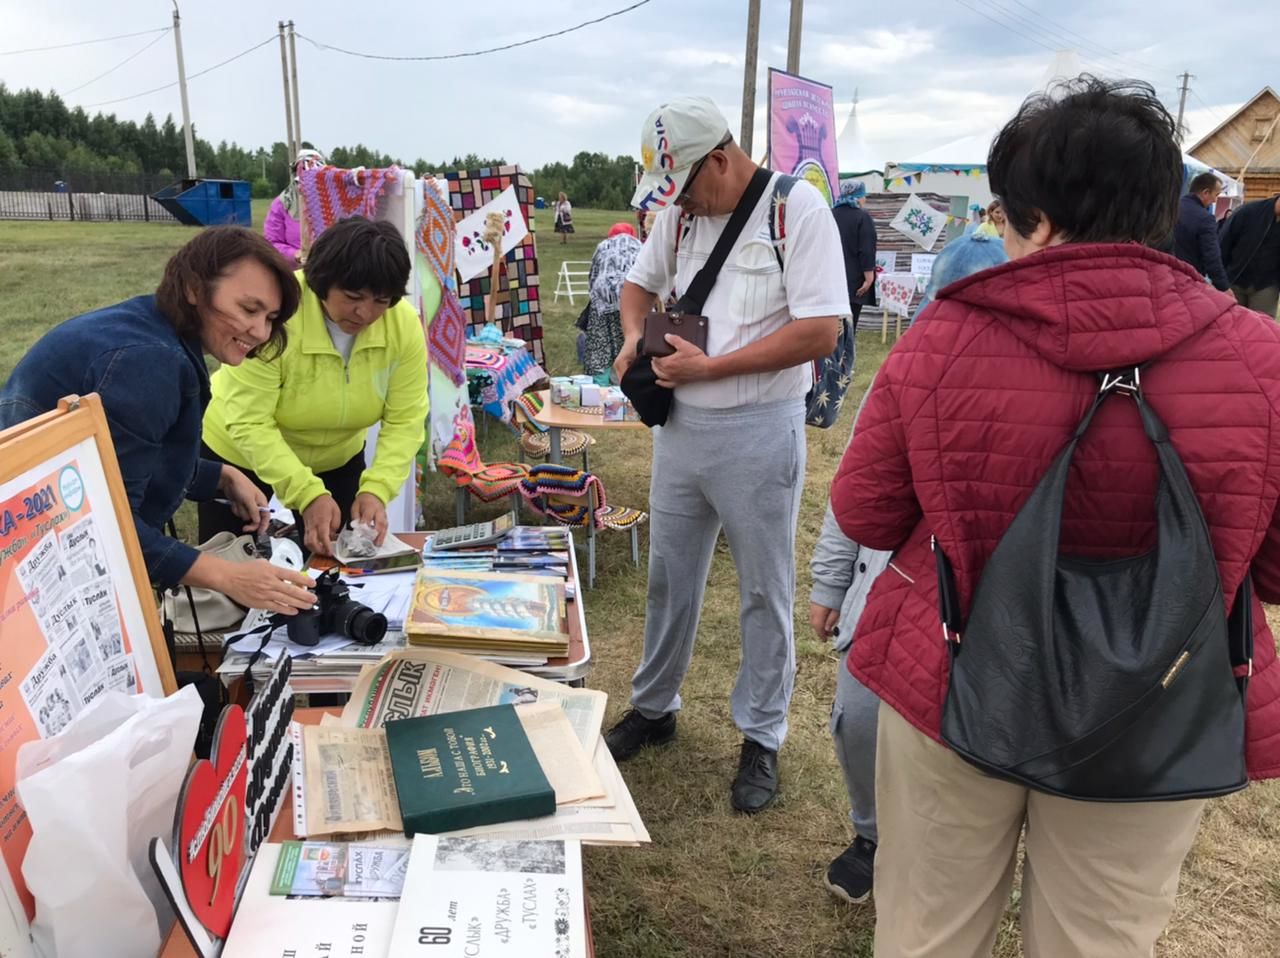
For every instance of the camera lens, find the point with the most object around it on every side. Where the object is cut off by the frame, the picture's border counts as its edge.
(361, 624)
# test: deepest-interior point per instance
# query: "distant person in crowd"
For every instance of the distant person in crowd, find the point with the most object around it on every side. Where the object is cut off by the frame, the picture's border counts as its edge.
(296, 422)
(225, 294)
(963, 256)
(732, 452)
(975, 218)
(843, 573)
(642, 227)
(564, 217)
(1251, 250)
(1195, 237)
(601, 321)
(995, 224)
(281, 226)
(858, 242)
(968, 411)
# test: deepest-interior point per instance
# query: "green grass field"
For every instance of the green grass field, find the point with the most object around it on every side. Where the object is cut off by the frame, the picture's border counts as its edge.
(711, 883)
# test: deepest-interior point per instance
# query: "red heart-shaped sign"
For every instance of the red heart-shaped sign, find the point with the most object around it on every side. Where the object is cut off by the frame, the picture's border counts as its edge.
(210, 825)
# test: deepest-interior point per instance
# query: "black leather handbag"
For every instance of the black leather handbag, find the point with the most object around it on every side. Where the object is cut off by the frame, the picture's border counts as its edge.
(1102, 680)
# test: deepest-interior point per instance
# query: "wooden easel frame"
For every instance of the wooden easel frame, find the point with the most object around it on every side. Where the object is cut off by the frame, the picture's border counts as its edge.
(37, 440)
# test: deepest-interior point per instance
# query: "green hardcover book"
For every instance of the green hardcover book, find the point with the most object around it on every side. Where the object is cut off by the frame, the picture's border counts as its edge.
(462, 769)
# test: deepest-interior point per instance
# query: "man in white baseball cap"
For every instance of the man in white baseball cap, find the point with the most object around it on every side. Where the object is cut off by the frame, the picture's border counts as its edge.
(673, 141)
(731, 454)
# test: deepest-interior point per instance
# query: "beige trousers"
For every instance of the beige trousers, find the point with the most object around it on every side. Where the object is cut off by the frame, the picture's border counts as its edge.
(1099, 879)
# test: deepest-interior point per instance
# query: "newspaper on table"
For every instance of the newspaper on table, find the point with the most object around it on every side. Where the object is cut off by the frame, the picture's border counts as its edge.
(616, 823)
(417, 682)
(348, 785)
(469, 897)
(341, 869)
(566, 764)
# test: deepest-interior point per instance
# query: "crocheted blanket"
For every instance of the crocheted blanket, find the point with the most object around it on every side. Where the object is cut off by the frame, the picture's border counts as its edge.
(330, 194)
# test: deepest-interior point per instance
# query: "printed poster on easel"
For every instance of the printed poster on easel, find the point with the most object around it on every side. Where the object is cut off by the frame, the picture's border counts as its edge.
(76, 610)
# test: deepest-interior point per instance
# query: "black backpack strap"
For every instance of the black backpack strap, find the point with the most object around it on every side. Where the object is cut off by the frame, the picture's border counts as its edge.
(696, 295)
(1124, 381)
(1240, 634)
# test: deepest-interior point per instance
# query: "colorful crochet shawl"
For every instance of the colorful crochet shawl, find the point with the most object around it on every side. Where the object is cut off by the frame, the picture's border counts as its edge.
(330, 194)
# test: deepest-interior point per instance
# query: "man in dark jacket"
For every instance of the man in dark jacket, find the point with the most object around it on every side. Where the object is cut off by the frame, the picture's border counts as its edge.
(1195, 238)
(1251, 250)
(858, 239)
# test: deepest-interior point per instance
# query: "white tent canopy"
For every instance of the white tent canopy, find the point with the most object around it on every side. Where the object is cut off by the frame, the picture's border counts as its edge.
(852, 151)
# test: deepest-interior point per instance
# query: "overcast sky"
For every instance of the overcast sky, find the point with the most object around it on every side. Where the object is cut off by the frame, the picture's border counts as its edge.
(927, 72)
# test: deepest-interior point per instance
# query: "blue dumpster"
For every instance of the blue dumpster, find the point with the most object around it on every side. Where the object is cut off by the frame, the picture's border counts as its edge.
(208, 202)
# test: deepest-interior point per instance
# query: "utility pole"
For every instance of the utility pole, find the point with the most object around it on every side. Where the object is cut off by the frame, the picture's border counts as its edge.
(793, 38)
(182, 88)
(293, 69)
(288, 97)
(1182, 104)
(747, 130)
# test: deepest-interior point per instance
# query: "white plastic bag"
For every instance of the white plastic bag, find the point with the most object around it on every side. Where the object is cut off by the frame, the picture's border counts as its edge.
(95, 796)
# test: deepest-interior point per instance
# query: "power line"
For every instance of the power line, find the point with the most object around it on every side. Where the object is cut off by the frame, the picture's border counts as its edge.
(1006, 26)
(1053, 46)
(131, 56)
(478, 53)
(192, 76)
(1212, 112)
(1089, 53)
(81, 43)
(1085, 40)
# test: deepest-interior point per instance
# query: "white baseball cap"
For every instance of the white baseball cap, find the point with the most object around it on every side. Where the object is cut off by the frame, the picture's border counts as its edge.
(674, 137)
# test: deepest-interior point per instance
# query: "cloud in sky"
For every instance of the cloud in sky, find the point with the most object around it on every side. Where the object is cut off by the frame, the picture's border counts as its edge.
(926, 74)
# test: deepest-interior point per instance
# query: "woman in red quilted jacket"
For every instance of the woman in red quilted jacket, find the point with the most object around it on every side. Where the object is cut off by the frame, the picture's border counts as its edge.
(967, 413)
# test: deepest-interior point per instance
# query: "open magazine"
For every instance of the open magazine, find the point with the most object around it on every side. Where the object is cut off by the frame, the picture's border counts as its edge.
(476, 897)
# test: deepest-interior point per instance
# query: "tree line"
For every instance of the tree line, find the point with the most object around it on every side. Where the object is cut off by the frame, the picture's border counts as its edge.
(39, 132)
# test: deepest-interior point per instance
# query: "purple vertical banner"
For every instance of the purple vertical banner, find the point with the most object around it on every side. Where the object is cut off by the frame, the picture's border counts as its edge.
(802, 130)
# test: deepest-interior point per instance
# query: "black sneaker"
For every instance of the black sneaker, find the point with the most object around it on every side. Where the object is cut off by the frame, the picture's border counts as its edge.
(633, 732)
(850, 876)
(756, 784)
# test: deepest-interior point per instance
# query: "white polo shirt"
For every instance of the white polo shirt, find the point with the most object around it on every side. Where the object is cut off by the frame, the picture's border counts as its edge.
(752, 296)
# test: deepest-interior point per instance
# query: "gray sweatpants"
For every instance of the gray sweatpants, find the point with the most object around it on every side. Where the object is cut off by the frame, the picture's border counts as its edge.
(741, 469)
(854, 721)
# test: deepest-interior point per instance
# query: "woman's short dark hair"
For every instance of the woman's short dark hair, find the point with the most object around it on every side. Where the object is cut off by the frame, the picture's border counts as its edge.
(197, 267)
(355, 254)
(1098, 158)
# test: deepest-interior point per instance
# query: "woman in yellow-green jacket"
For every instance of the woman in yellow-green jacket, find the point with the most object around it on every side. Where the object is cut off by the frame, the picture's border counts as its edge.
(355, 356)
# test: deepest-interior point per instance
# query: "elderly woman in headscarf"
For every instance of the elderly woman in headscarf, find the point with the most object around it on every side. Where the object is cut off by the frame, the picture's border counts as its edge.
(601, 321)
(281, 226)
(858, 240)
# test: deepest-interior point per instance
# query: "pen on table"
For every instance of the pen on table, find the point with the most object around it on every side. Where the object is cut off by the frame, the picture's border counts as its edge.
(228, 502)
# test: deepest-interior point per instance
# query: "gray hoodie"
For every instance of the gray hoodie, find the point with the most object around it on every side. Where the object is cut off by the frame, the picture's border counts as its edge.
(844, 571)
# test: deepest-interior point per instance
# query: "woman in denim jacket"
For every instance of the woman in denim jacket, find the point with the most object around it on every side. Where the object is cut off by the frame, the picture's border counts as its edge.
(226, 293)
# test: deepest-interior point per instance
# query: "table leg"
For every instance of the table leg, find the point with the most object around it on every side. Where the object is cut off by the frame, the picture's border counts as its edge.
(553, 455)
(460, 504)
(591, 554)
(591, 540)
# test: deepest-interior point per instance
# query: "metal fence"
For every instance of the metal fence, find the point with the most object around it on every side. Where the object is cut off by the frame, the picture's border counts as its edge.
(90, 197)
(87, 207)
(73, 181)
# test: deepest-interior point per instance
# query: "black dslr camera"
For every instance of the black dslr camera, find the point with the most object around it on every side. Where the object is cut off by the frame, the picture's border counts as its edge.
(335, 612)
